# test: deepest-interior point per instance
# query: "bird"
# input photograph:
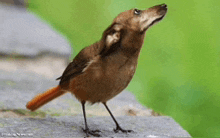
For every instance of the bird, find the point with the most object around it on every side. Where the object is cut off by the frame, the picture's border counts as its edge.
(104, 69)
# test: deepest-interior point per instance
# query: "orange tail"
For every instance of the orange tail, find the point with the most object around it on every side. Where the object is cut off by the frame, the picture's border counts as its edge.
(43, 98)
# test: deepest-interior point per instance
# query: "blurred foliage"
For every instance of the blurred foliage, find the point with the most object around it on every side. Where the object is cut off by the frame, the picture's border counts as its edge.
(178, 71)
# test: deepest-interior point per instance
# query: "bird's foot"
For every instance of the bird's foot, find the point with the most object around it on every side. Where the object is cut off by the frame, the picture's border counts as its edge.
(92, 132)
(118, 128)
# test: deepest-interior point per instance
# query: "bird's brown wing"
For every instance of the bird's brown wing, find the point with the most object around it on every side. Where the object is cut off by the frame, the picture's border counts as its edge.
(71, 71)
(75, 67)
(80, 62)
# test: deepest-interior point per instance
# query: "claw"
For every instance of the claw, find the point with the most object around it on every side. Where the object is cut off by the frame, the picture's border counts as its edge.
(118, 128)
(91, 132)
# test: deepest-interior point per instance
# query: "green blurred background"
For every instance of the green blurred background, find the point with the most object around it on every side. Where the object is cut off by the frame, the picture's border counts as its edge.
(178, 69)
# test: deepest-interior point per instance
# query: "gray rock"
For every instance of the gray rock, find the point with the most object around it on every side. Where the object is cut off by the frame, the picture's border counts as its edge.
(71, 126)
(22, 33)
(16, 88)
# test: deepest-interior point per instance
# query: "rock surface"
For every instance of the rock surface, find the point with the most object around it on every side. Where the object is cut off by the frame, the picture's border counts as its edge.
(71, 126)
(22, 33)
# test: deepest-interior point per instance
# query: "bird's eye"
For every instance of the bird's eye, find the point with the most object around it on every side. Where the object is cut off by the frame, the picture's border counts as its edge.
(137, 12)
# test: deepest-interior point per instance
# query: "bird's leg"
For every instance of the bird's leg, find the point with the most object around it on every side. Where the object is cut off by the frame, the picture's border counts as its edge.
(118, 128)
(86, 130)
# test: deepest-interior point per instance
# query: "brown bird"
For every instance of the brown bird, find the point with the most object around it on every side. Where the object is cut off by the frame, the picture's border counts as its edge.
(102, 70)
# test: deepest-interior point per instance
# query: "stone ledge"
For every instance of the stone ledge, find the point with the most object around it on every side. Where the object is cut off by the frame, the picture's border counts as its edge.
(71, 126)
(23, 34)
